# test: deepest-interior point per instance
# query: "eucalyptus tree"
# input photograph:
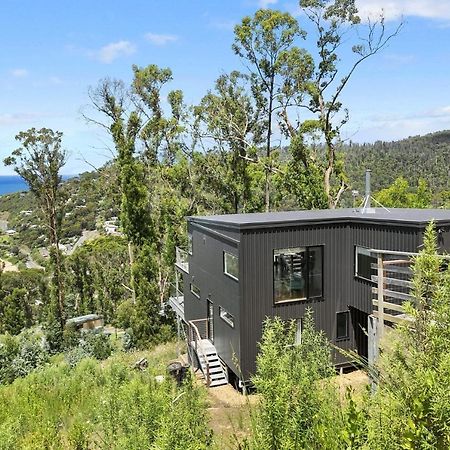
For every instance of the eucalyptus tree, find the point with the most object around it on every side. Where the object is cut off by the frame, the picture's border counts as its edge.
(231, 117)
(337, 26)
(265, 42)
(39, 161)
(147, 142)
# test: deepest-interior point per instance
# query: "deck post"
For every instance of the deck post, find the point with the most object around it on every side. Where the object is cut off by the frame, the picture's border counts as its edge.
(380, 273)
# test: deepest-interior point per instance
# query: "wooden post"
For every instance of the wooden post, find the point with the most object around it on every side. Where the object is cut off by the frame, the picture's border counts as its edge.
(380, 273)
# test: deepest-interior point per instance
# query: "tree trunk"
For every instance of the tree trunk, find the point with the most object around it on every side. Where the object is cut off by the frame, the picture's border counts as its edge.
(268, 148)
(132, 281)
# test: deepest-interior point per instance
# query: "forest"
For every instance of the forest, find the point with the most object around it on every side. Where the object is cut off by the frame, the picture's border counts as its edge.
(264, 139)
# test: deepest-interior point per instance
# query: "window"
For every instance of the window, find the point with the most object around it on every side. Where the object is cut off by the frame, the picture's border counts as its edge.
(342, 320)
(231, 265)
(226, 316)
(190, 243)
(195, 290)
(363, 260)
(297, 273)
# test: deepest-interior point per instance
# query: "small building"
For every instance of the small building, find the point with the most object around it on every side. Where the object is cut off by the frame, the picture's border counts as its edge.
(241, 268)
(87, 322)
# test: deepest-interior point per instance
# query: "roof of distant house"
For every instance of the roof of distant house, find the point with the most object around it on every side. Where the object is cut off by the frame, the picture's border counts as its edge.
(395, 216)
(83, 319)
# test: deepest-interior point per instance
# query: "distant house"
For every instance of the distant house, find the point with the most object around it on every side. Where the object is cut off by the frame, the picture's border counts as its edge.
(87, 322)
(241, 268)
(10, 232)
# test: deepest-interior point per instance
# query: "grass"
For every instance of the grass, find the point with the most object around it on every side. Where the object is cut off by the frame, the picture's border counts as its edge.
(106, 405)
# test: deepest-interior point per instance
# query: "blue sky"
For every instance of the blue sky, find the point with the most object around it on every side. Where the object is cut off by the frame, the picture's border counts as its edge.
(52, 51)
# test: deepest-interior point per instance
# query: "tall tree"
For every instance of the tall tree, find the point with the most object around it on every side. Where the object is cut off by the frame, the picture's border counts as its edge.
(265, 42)
(231, 117)
(145, 140)
(334, 21)
(39, 161)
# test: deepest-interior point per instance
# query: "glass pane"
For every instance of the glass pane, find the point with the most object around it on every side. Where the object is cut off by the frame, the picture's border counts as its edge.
(315, 271)
(227, 317)
(342, 325)
(231, 265)
(289, 274)
(195, 290)
(364, 259)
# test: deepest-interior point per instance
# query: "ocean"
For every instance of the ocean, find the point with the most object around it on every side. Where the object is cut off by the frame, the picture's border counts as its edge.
(12, 183)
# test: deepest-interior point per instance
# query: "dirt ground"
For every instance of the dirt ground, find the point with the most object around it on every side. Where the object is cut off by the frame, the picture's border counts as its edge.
(229, 410)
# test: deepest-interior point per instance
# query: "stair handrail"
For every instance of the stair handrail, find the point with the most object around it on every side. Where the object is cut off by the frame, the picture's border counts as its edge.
(195, 338)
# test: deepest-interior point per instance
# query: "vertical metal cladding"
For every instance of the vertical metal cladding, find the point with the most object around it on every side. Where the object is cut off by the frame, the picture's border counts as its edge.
(250, 300)
(341, 289)
(206, 272)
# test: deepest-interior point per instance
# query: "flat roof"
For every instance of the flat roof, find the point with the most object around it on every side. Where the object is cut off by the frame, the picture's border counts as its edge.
(396, 216)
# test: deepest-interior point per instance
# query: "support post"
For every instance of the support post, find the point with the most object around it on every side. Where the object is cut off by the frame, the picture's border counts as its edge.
(380, 273)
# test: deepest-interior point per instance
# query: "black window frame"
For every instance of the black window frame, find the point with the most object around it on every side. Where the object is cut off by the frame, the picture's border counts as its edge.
(308, 297)
(346, 314)
(355, 263)
(233, 277)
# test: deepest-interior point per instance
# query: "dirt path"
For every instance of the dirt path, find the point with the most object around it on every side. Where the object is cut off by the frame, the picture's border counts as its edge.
(9, 267)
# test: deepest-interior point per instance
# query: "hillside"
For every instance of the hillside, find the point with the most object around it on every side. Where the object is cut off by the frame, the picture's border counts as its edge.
(90, 200)
(418, 156)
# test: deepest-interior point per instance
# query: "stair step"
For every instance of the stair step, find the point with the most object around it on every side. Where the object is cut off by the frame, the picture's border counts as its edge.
(218, 383)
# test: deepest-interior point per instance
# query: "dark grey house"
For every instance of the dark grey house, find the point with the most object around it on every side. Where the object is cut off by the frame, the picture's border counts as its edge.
(241, 268)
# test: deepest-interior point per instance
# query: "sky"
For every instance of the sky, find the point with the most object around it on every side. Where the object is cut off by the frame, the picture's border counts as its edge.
(53, 51)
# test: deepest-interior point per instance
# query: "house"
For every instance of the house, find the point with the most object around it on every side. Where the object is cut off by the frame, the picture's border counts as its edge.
(87, 322)
(242, 268)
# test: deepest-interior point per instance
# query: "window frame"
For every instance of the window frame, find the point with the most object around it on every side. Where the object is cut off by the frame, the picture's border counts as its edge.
(347, 315)
(191, 286)
(308, 297)
(224, 259)
(223, 315)
(355, 263)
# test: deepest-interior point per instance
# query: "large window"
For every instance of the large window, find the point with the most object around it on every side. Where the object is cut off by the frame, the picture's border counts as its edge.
(231, 265)
(363, 263)
(342, 325)
(297, 273)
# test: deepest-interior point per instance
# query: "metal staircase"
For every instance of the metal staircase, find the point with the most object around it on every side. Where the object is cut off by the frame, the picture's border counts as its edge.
(213, 368)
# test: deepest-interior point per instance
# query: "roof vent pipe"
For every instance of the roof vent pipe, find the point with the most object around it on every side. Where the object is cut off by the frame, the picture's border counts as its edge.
(368, 193)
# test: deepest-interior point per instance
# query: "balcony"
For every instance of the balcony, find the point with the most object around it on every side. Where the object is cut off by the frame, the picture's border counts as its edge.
(176, 301)
(182, 260)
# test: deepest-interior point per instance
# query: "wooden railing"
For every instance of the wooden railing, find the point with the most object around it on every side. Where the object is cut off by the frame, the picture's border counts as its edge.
(197, 331)
(393, 288)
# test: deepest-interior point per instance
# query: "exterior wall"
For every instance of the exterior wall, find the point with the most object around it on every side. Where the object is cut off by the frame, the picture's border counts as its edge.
(250, 300)
(340, 287)
(206, 272)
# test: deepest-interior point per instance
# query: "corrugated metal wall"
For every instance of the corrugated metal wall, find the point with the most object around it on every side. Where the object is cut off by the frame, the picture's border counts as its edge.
(206, 272)
(341, 288)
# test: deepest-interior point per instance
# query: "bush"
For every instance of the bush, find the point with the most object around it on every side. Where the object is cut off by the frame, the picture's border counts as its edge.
(96, 344)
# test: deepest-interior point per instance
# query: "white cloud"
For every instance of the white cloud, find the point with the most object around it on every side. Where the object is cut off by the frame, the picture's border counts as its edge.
(397, 126)
(266, 3)
(394, 9)
(160, 39)
(19, 73)
(111, 52)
